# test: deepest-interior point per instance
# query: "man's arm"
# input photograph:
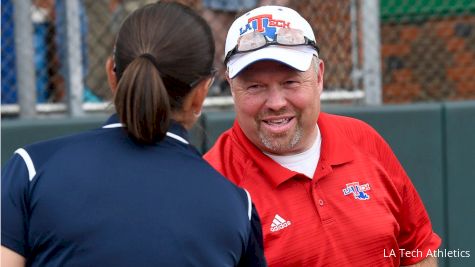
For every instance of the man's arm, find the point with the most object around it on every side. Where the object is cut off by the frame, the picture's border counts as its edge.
(427, 262)
(11, 258)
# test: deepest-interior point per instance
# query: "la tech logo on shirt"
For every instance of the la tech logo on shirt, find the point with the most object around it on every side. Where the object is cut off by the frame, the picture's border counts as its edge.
(357, 190)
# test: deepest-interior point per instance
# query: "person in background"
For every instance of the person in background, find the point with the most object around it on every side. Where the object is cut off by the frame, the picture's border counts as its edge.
(50, 86)
(134, 192)
(329, 189)
(61, 36)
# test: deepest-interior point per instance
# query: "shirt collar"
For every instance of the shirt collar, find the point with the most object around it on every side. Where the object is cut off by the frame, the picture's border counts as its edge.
(175, 130)
(178, 132)
(112, 121)
(270, 169)
(335, 150)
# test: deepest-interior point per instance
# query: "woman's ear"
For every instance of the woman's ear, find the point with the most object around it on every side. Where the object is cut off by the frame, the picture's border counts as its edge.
(199, 94)
(192, 104)
(111, 75)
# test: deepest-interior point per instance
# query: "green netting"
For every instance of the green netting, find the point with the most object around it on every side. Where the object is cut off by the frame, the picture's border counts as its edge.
(424, 9)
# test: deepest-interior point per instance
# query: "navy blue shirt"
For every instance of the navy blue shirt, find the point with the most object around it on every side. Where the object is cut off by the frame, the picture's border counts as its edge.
(100, 199)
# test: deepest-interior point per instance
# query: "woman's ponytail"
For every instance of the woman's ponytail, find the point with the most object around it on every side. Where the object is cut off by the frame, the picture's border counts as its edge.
(142, 101)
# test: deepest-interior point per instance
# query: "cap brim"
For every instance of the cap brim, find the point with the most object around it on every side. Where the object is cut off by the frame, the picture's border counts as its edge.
(297, 57)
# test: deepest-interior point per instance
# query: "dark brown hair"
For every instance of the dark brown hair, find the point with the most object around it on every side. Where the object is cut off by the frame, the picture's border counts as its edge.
(161, 51)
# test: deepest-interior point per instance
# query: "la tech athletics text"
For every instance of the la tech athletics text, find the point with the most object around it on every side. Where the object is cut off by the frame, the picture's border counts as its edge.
(439, 253)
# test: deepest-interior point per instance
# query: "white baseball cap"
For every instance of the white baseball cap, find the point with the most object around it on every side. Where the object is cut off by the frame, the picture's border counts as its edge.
(267, 20)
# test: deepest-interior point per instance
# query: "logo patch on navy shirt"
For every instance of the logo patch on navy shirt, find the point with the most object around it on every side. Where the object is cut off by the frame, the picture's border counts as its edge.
(357, 190)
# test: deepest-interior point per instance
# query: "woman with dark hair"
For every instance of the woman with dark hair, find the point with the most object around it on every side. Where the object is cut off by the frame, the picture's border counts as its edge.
(134, 192)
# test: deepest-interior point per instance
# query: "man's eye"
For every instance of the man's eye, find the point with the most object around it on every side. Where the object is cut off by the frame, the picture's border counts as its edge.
(254, 87)
(291, 83)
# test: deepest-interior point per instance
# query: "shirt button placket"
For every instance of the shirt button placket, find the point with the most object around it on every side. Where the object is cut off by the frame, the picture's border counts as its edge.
(322, 205)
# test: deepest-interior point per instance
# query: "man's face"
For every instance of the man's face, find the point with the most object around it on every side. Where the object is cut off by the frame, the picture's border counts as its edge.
(277, 107)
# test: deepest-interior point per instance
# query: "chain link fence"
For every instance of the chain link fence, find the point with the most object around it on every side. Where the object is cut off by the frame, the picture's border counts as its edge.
(9, 83)
(428, 50)
(374, 51)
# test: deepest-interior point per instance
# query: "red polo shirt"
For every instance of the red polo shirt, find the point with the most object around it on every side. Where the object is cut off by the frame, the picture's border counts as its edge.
(360, 208)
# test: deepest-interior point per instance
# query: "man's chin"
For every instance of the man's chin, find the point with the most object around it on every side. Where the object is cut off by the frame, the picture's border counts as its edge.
(278, 145)
(284, 143)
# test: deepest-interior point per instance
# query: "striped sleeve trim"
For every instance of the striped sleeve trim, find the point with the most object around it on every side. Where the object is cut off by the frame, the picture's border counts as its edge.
(29, 163)
(249, 205)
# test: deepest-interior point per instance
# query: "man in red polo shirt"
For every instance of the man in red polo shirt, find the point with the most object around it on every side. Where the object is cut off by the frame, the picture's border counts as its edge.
(329, 190)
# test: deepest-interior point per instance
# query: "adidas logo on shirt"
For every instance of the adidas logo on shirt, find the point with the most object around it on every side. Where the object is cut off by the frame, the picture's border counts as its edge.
(278, 223)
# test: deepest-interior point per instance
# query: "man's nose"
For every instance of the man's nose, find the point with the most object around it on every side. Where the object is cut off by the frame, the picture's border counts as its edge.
(276, 98)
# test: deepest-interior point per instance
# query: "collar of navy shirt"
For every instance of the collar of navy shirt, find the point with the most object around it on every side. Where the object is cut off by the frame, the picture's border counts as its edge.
(175, 130)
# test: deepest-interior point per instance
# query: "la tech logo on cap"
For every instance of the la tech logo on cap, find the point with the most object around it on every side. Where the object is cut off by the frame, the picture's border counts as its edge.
(264, 23)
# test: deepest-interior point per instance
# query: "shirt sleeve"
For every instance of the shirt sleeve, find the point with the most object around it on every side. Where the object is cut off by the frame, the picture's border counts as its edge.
(15, 182)
(254, 254)
(416, 232)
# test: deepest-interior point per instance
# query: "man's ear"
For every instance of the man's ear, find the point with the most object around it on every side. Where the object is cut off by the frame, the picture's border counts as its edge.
(321, 71)
(111, 75)
(230, 82)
